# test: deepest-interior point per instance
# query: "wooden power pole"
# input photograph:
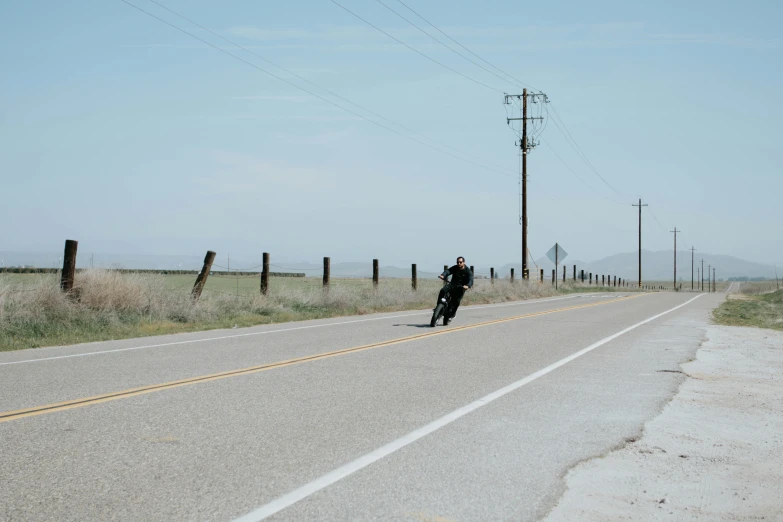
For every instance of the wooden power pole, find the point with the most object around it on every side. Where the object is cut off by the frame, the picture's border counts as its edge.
(692, 251)
(675, 256)
(640, 239)
(525, 145)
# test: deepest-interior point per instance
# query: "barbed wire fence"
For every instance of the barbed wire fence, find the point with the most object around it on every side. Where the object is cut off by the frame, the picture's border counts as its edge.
(238, 277)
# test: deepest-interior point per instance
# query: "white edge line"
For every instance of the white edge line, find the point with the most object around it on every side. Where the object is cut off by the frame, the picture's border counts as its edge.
(102, 352)
(340, 473)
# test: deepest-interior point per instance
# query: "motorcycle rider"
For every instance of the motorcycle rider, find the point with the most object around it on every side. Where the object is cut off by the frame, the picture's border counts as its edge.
(461, 280)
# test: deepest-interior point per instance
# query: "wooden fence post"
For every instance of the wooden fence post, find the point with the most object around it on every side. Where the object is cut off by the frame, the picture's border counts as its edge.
(574, 272)
(564, 272)
(542, 275)
(327, 269)
(492, 275)
(375, 273)
(201, 280)
(265, 275)
(69, 265)
(582, 276)
(414, 282)
(512, 275)
(553, 276)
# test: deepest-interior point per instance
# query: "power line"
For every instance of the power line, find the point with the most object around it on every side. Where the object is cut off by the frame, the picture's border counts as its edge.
(567, 134)
(441, 43)
(537, 133)
(292, 73)
(656, 219)
(546, 192)
(569, 137)
(571, 141)
(573, 172)
(468, 50)
(309, 92)
(563, 130)
(413, 49)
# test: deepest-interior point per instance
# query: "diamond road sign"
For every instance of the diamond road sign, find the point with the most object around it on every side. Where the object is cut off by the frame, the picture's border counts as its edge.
(556, 254)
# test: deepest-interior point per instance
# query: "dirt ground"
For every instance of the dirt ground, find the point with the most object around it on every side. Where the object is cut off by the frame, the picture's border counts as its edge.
(715, 453)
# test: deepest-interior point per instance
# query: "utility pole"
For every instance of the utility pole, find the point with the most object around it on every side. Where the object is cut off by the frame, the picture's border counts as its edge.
(709, 275)
(675, 256)
(714, 282)
(640, 239)
(692, 251)
(524, 145)
(702, 275)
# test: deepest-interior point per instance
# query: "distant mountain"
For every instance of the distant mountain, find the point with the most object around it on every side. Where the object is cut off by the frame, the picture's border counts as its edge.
(656, 266)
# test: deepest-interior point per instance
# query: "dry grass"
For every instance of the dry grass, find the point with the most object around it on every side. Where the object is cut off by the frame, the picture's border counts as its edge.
(106, 304)
(763, 310)
(757, 287)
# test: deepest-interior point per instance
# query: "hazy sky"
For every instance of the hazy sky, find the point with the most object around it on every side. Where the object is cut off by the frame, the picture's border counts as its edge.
(128, 135)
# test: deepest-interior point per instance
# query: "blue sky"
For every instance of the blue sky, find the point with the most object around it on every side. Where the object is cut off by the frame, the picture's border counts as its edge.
(128, 135)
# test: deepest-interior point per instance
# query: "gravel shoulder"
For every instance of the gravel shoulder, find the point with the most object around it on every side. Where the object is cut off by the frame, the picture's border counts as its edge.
(714, 453)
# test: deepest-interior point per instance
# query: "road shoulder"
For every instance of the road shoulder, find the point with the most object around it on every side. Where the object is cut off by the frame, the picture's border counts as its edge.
(714, 453)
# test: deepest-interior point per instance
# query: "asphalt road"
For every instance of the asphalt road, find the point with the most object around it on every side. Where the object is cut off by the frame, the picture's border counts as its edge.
(358, 418)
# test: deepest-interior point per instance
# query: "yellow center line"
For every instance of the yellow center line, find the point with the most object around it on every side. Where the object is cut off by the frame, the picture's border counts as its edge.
(78, 403)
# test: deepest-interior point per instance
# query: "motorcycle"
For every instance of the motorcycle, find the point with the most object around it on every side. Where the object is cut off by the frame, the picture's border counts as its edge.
(443, 306)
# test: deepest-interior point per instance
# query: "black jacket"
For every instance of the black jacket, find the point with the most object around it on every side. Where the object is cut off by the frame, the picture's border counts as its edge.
(463, 277)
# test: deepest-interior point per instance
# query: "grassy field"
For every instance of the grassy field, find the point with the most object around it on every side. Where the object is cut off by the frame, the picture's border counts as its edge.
(250, 285)
(108, 304)
(762, 310)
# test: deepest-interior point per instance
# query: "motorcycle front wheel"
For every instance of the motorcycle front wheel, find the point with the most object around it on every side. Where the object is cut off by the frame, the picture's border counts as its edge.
(437, 313)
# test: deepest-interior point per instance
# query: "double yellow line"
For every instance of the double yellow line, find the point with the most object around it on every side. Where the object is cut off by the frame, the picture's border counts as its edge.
(78, 403)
